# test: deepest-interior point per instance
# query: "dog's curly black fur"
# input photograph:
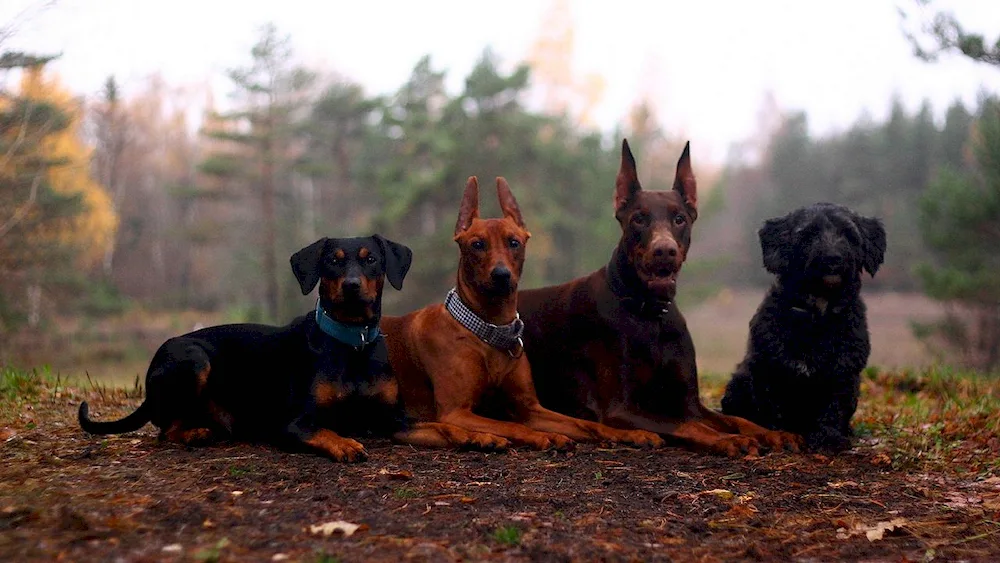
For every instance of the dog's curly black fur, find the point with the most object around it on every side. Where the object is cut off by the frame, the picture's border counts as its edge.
(809, 338)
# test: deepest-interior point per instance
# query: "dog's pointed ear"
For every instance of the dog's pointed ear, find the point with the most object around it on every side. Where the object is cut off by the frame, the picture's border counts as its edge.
(398, 258)
(305, 265)
(874, 246)
(469, 209)
(627, 183)
(684, 182)
(508, 204)
(776, 244)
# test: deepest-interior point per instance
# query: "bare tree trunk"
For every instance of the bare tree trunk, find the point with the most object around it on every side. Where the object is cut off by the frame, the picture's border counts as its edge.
(269, 248)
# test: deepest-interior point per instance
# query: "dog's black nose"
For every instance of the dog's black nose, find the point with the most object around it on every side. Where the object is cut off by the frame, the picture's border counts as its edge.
(665, 250)
(351, 285)
(500, 275)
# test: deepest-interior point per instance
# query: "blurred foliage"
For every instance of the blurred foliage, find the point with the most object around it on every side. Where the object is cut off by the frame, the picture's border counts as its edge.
(960, 212)
(960, 221)
(55, 220)
(877, 169)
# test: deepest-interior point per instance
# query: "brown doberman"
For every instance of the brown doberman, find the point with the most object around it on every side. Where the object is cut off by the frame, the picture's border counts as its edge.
(613, 346)
(459, 361)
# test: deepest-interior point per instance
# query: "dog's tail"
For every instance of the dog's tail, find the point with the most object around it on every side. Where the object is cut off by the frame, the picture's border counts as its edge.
(130, 423)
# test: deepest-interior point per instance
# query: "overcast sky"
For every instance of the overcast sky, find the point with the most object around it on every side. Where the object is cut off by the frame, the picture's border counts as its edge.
(706, 64)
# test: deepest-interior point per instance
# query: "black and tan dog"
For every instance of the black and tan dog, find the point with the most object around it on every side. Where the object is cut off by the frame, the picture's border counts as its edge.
(809, 338)
(291, 386)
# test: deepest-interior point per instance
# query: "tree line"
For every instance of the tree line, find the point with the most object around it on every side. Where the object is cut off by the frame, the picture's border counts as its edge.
(121, 199)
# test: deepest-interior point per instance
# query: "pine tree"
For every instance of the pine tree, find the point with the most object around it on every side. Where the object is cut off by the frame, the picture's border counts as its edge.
(270, 96)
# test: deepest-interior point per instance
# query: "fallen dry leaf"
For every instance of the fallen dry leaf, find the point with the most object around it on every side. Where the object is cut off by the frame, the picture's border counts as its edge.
(329, 528)
(401, 475)
(881, 459)
(720, 494)
(873, 533)
(878, 530)
(840, 484)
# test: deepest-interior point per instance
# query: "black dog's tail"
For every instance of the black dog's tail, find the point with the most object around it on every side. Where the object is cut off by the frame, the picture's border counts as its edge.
(132, 422)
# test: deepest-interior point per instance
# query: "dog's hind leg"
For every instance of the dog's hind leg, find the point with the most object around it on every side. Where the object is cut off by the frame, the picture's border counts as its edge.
(177, 390)
(187, 436)
(440, 435)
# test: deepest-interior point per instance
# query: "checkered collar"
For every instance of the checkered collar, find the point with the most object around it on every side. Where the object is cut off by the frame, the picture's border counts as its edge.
(502, 337)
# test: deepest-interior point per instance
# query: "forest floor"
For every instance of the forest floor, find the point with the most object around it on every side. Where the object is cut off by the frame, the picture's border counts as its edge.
(923, 483)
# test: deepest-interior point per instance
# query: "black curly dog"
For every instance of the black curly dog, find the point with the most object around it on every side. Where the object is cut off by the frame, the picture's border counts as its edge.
(292, 386)
(809, 338)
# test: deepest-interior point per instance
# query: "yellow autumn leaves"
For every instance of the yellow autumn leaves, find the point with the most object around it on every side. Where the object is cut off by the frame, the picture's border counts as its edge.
(92, 230)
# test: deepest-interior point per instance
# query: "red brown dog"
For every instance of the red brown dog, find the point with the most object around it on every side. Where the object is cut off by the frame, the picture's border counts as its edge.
(613, 346)
(457, 361)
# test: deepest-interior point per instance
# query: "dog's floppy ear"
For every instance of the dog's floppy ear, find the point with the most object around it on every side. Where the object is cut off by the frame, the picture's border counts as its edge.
(305, 265)
(469, 209)
(873, 248)
(398, 258)
(507, 202)
(627, 183)
(684, 182)
(775, 244)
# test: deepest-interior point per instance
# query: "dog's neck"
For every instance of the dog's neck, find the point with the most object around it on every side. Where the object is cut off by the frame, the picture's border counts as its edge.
(499, 310)
(801, 297)
(627, 286)
(357, 335)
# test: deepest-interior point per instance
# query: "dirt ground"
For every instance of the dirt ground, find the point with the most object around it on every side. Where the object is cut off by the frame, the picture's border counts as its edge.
(65, 495)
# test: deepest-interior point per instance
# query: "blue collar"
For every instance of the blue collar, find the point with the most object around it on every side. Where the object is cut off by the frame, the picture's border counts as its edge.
(357, 336)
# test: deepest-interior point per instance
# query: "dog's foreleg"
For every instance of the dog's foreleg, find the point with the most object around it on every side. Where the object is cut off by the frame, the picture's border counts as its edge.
(517, 433)
(302, 433)
(439, 435)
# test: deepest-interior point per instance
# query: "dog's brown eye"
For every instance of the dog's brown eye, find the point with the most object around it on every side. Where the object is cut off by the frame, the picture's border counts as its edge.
(478, 244)
(679, 220)
(640, 219)
(370, 259)
(514, 243)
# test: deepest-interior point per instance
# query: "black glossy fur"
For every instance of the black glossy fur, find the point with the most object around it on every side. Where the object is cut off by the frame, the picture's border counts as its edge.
(283, 385)
(809, 338)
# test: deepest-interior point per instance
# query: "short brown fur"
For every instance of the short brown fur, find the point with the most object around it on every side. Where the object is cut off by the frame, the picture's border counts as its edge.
(446, 373)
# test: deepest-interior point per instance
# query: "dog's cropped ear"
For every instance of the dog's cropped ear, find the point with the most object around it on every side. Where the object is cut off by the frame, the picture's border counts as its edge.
(469, 209)
(873, 248)
(507, 202)
(775, 244)
(627, 183)
(684, 182)
(398, 258)
(305, 265)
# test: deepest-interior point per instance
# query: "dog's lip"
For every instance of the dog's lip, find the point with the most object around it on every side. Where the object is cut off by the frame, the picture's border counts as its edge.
(660, 280)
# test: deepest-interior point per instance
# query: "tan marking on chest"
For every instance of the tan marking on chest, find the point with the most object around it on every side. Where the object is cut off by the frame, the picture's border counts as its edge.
(386, 391)
(202, 379)
(326, 393)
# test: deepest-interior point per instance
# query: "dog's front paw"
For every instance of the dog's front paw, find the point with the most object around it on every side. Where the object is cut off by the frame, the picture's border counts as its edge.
(827, 440)
(344, 449)
(548, 441)
(641, 438)
(487, 442)
(778, 440)
(734, 445)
